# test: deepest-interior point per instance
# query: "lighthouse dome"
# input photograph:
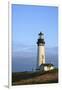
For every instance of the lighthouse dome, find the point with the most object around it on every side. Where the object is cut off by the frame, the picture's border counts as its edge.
(41, 39)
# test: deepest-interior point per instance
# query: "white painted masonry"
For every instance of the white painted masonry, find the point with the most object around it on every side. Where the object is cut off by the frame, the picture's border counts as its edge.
(47, 68)
(41, 54)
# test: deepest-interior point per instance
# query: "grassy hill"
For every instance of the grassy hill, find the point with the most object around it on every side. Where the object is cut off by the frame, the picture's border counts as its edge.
(24, 78)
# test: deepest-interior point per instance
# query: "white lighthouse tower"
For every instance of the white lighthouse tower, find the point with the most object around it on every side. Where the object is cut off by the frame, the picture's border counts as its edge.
(41, 50)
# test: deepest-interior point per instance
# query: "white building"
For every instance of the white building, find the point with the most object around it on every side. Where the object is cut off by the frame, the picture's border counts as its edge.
(46, 67)
(41, 65)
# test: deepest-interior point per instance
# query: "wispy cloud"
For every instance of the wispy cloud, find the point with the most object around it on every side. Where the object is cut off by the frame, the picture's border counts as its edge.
(23, 48)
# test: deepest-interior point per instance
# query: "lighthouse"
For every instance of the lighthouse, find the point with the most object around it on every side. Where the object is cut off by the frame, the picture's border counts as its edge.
(41, 64)
(40, 50)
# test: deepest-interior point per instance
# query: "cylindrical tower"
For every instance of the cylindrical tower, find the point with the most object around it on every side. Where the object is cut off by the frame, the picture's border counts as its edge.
(41, 50)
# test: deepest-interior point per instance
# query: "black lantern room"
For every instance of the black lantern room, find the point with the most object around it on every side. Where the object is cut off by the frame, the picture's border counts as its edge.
(41, 39)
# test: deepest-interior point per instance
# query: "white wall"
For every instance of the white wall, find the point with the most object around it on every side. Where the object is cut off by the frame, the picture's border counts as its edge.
(46, 68)
(41, 51)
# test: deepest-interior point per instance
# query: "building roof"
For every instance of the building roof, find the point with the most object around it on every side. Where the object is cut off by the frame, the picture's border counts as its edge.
(47, 64)
(40, 33)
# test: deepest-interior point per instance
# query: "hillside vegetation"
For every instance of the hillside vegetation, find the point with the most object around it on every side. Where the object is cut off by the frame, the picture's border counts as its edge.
(24, 78)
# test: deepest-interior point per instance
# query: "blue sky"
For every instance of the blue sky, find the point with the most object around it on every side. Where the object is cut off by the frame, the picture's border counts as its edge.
(27, 22)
